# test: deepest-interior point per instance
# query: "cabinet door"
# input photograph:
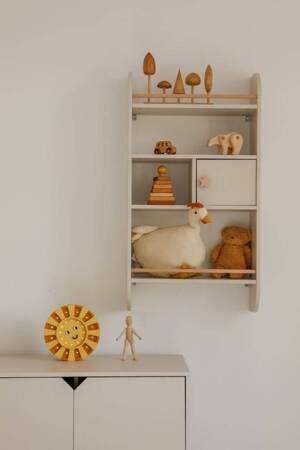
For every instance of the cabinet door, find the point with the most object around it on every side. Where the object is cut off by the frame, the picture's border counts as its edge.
(36, 414)
(133, 413)
(230, 182)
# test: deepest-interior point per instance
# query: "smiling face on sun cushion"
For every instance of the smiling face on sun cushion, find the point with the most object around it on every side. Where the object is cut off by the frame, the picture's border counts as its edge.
(71, 333)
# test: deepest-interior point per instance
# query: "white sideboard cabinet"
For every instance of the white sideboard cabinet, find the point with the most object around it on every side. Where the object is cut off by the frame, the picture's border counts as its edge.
(98, 404)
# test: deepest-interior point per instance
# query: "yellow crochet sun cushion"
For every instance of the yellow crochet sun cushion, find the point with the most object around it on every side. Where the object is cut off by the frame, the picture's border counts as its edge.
(72, 333)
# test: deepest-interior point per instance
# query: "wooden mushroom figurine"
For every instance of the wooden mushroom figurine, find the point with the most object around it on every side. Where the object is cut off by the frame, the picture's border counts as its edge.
(178, 86)
(208, 81)
(164, 85)
(149, 69)
(192, 79)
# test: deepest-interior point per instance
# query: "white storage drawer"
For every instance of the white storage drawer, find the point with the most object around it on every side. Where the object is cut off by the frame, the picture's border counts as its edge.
(35, 414)
(231, 182)
(130, 413)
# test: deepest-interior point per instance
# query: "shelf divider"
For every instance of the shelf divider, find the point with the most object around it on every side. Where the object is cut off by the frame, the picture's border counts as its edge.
(184, 207)
(151, 157)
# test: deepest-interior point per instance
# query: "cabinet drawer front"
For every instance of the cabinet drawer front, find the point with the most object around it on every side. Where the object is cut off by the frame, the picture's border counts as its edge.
(230, 182)
(36, 414)
(130, 413)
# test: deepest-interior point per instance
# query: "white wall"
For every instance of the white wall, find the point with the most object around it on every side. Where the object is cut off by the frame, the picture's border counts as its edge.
(63, 75)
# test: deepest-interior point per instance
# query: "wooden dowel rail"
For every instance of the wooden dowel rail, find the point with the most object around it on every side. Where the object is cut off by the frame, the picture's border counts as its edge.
(197, 96)
(199, 270)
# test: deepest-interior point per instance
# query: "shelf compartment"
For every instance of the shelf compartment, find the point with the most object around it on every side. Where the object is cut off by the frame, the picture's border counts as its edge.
(142, 181)
(187, 109)
(189, 133)
(210, 234)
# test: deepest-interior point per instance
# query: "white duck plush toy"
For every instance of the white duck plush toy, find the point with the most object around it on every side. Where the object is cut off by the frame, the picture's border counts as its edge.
(172, 247)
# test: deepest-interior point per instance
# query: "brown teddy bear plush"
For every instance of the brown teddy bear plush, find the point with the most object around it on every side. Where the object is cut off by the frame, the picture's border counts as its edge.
(234, 253)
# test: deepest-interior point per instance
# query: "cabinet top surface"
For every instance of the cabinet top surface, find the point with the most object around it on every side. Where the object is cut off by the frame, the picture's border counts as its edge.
(103, 366)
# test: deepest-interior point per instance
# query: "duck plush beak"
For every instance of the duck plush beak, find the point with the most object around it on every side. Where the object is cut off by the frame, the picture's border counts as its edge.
(206, 219)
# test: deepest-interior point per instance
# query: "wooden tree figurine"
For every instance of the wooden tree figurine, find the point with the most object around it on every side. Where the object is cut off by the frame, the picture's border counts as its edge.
(164, 85)
(208, 81)
(192, 79)
(178, 86)
(129, 333)
(149, 69)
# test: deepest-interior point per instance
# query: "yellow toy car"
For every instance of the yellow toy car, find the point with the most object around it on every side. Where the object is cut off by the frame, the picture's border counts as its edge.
(163, 147)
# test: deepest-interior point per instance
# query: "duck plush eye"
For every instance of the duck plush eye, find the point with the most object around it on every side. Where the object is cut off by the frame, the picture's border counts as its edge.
(196, 212)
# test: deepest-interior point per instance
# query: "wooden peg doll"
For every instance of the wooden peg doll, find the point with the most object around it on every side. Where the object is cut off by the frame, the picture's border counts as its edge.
(129, 333)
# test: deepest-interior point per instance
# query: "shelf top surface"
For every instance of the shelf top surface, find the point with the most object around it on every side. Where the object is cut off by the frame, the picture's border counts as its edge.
(195, 109)
(28, 366)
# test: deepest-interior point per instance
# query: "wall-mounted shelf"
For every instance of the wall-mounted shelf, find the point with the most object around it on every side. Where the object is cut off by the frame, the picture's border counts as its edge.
(232, 197)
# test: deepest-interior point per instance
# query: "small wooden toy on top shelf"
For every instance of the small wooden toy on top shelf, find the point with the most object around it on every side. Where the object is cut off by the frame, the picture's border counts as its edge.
(162, 191)
(164, 85)
(149, 68)
(178, 86)
(208, 81)
(192, 79)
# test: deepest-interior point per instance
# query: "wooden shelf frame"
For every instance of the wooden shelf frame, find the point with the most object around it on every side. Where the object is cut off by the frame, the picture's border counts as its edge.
(244, 105)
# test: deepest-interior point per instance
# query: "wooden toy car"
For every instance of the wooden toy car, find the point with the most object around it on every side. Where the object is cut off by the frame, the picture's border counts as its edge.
(162, 147)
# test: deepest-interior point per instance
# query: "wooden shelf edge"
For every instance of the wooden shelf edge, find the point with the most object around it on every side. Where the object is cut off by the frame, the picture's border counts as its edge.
(227, 281)
(195, 96)
(145, 207)
(194, 270)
